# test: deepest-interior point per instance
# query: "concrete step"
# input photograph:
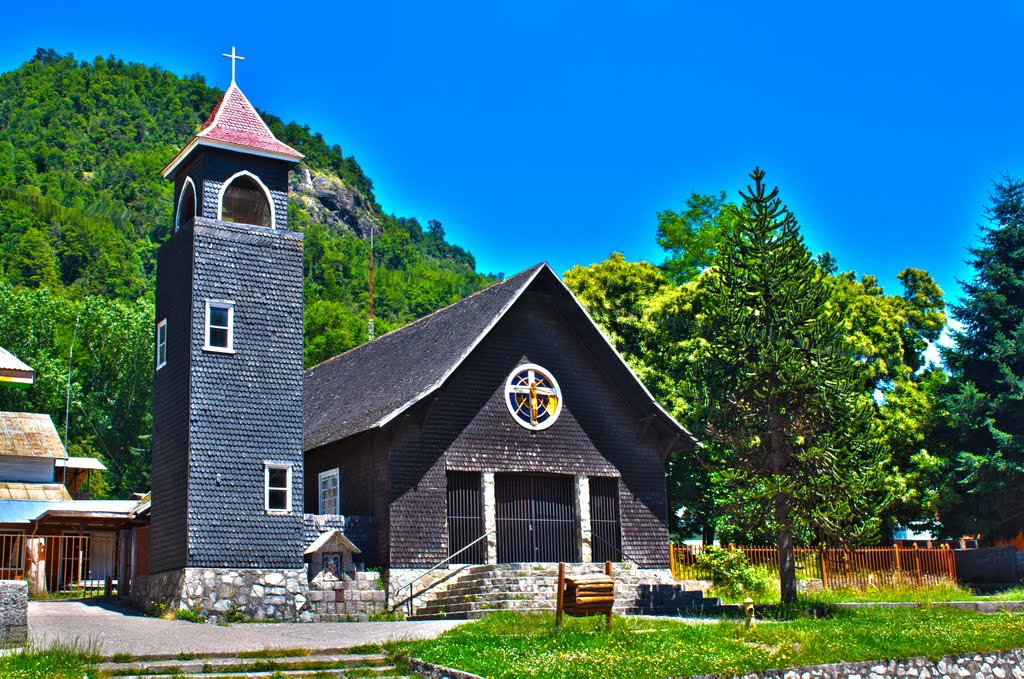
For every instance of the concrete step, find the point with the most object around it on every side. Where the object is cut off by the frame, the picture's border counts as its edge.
(334, 664)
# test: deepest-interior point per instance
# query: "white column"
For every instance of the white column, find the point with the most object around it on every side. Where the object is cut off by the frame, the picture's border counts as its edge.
(490, 517)
(584, 537)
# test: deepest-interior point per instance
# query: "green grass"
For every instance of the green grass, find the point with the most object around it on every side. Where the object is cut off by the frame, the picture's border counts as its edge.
(58, 661)
(901, 593)
(507, 645)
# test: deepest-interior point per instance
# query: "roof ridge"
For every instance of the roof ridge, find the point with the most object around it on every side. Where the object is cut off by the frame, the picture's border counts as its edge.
(432, 314)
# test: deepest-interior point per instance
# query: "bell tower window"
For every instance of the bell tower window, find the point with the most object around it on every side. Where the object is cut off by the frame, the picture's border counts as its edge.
(186, 204)
(244, 199)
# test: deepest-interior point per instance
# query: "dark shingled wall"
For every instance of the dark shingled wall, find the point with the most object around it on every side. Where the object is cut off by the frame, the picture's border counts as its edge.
(466, 426)
(171, 406)
(247, 406)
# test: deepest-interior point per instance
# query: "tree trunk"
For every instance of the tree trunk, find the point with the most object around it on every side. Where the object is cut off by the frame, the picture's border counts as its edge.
(708, 534)
(787, 563)
(781, 455)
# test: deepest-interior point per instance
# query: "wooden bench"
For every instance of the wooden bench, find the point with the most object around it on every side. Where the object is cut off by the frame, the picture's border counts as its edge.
(585, 595)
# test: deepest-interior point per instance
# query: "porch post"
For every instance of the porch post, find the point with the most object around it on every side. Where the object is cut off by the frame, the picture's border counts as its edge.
(584, 537)
(490, 518)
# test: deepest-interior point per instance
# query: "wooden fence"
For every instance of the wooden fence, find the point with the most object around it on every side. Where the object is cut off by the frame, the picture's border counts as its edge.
(838, 568)
(59, 565)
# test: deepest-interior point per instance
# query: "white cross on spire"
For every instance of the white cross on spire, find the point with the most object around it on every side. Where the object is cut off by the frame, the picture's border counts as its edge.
(234, 58)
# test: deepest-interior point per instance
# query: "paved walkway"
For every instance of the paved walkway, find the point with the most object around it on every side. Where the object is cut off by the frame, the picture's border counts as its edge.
(123, 630)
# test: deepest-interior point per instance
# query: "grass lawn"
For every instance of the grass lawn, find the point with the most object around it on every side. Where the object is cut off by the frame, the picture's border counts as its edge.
(507, 645)
(59, 661)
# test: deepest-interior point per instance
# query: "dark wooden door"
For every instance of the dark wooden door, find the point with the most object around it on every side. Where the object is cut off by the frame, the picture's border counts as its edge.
(536, 518)
(465, 517)
(604, 519)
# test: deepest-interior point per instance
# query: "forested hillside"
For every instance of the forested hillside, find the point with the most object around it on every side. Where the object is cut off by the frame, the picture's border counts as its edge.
(83, 209)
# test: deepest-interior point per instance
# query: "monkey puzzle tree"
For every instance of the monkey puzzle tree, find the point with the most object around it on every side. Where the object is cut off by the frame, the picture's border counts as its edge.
(782, 394)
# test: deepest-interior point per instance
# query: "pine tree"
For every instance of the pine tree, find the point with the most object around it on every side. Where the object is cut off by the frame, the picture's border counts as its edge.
(986, 390)
(782, 394)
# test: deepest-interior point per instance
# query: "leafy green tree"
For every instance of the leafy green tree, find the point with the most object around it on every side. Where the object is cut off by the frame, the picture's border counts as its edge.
(783, 394)
(111, 375)
(985, 396)
(692, 238)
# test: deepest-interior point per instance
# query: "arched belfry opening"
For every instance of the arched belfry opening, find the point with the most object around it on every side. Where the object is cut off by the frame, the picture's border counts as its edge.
(186, 205)
(245, 200)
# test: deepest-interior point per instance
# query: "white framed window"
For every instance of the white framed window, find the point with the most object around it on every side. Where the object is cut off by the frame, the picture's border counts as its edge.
(330, 495)
(277, 486)
(161, 344)
(220, 326)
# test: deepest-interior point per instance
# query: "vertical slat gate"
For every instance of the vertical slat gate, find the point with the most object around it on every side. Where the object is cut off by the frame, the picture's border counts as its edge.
(536, 518)
(465, 516)
(604, 519)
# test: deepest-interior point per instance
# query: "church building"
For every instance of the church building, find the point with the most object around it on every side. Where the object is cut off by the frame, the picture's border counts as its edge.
(502, 429)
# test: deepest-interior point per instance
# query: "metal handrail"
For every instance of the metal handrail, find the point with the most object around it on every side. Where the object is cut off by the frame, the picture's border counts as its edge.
(438, 565)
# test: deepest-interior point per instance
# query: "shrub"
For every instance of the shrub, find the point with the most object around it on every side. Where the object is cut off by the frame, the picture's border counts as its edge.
(190, 615)
(732, 576)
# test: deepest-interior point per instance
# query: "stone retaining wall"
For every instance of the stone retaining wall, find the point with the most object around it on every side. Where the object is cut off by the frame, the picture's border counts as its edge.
(1004, 665)
(13, 611)
(355, 598)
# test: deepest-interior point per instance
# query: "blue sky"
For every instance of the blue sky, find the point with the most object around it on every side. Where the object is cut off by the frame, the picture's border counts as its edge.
(556, 131)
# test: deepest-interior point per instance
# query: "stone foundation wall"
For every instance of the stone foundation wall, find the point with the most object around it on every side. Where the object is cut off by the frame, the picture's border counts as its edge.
(13, 612)
(1008, 664)
(256, 594)
(227, 593)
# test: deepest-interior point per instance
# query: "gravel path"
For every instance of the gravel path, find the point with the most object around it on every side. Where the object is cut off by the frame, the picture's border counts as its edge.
(123, 630)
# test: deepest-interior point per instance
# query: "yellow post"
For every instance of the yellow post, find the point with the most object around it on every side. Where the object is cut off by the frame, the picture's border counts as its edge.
(748, 611)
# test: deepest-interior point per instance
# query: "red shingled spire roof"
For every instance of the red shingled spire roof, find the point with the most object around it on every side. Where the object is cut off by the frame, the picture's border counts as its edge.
(234, 123)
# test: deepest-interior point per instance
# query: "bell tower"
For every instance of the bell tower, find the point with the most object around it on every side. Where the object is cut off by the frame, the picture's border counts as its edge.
(227, 392)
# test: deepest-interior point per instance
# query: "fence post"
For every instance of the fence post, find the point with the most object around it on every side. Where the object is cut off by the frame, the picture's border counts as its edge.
(896, 551)
(824, 575)
(560, 600)
(917, 559)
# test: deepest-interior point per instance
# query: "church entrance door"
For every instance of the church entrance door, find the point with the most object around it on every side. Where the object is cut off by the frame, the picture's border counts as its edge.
(536, 518)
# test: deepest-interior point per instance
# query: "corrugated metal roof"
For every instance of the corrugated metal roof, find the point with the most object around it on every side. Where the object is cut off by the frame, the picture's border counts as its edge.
(50, 492)
(82, 463)
(13, 370)
(29, 435)
(22, 511)
(93, 506)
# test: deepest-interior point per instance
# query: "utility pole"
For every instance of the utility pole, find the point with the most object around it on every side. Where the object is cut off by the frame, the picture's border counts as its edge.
(369, 331)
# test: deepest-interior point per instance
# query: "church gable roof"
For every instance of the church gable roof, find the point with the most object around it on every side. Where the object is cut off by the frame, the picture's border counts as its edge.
(235, 124)
(372, 384)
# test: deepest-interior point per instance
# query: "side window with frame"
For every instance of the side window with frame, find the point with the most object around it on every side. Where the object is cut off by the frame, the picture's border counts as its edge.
(277, 486)
(330, 492)
(161, 344)
(220, 326)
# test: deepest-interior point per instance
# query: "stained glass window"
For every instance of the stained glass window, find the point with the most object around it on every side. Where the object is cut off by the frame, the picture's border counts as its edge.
(533, 397)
